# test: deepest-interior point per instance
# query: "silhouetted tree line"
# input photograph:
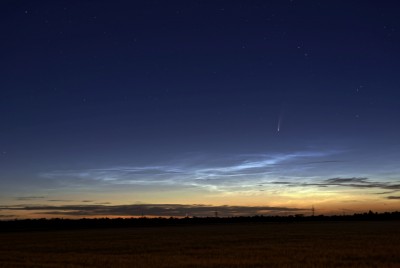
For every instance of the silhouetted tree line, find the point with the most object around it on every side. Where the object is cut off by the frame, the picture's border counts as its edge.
(62, 224)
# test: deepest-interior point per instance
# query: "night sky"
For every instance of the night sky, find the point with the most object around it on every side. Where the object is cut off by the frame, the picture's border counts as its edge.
(160, 108)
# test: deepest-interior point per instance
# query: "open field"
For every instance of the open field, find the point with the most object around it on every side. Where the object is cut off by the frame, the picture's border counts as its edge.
(309, 244)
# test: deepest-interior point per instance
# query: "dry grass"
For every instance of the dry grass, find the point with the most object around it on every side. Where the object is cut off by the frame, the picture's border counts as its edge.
(318, 244)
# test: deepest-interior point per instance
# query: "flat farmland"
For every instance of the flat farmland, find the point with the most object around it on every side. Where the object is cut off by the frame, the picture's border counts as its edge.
(305, 244)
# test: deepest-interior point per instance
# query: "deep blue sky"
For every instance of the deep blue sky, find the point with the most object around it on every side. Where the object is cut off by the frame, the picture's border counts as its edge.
(159, 101)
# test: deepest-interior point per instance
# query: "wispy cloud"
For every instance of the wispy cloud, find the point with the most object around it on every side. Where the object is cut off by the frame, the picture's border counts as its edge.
(387, 192)
(7, 216)
(28, 198)
(352, 182)
(68, 200)
(218, 173)
(162, 210)
(347, 180)
(393, 197)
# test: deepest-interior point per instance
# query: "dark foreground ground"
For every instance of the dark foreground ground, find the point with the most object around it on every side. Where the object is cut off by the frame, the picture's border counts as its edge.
(304, 244)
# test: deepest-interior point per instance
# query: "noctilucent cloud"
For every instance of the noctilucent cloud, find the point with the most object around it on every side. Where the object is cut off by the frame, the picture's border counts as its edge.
(176, 108)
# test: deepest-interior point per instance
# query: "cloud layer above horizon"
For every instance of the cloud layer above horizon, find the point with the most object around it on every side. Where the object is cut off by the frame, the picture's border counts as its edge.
(283, 182)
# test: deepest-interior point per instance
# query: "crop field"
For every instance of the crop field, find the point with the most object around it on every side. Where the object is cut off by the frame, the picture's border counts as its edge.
(307, 244)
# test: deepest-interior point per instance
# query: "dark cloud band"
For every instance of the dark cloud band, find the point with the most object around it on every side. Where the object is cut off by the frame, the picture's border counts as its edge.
(162, 210)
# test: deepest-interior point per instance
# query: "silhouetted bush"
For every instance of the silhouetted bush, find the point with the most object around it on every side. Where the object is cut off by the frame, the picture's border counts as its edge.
(59, 224)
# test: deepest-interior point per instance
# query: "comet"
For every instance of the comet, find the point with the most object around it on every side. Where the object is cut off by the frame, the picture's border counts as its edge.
(280, 119)
(279, 123)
